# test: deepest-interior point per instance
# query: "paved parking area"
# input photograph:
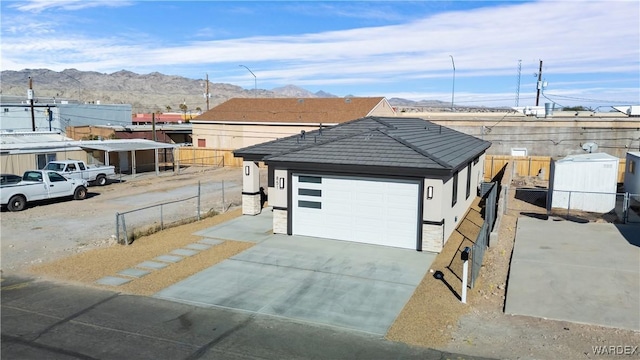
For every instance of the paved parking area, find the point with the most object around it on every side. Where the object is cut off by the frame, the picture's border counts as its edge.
(579, 272)
(336, 283)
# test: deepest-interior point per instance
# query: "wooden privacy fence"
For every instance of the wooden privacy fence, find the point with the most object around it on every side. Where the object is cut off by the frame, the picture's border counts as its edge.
(192, 156)
(529, 166)
(521, 165)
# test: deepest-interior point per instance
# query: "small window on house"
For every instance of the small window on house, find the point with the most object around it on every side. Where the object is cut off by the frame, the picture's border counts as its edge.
(6, 110)
(43, 159)
(454, 195)
(310, 179)
(202, 142)
(310, 204)
(468, 180)
(309, 192)
(631, 168)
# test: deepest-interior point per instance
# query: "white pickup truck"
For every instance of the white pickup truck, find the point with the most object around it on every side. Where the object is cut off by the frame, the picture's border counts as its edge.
(41, 185)
(76, 169)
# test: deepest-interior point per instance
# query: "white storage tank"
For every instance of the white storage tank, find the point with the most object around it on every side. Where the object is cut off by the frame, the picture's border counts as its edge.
(586, 182)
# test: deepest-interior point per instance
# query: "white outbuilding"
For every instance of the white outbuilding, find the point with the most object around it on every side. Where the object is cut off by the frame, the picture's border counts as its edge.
(586, 182)
(631, 174)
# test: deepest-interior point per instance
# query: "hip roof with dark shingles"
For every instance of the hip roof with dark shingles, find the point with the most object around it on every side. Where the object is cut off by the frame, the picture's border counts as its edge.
(291, 110)
(409, 143)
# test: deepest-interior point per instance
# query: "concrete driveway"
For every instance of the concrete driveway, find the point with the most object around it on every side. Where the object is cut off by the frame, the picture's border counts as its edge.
(579, 272)
(337, 283)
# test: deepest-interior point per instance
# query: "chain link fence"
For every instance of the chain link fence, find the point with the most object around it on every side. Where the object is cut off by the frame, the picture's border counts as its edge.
(580, 205)
(189, 204)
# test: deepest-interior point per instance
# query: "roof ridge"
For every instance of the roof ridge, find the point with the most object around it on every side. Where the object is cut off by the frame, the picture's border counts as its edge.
(418, 150)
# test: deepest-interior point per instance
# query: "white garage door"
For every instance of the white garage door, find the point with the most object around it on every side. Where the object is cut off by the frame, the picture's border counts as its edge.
(373, 211)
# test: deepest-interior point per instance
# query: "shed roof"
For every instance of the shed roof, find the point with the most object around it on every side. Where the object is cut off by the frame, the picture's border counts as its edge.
(124, 145)
(589, 157)
(408, 143)
(291, 110)
(63, 143)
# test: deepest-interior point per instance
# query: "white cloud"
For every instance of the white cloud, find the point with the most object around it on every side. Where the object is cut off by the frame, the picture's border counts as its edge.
(572, 37)
(37, 6)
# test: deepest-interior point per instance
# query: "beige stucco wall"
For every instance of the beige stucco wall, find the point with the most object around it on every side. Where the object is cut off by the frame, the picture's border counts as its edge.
(383, 109)
(19, 163)
(232, 137)
(432, 208)
(453, 215)
(277, 195)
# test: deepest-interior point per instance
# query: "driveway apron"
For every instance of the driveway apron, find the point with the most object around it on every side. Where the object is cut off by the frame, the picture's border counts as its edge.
(330, 282)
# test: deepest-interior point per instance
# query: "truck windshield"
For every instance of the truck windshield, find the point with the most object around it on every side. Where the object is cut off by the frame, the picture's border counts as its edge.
(54, 167)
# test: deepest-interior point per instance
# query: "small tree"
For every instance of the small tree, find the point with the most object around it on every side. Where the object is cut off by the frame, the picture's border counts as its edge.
(168, 108)
(575, 108)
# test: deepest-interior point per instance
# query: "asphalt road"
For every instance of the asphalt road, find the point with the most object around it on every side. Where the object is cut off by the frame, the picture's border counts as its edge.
(47, 320)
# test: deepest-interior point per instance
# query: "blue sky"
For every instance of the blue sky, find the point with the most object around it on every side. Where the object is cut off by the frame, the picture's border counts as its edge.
(590, 49)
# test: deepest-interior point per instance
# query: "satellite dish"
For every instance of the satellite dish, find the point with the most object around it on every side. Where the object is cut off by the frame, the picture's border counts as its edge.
(590, 147)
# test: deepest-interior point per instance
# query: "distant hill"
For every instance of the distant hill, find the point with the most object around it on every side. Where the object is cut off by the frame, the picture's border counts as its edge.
(151, 92)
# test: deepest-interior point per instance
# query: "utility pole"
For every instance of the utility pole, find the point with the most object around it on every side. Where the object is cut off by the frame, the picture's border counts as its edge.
(539, 84)
(518, 84)
(153, 126)
(30, 97)
(453, 84)
(207, 95)
(49, 116)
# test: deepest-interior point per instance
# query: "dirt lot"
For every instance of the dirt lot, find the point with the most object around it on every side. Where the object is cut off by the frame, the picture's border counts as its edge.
(434, 317)
(49, 231)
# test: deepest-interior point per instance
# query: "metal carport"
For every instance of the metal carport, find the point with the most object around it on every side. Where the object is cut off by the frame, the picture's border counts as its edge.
(131, 145)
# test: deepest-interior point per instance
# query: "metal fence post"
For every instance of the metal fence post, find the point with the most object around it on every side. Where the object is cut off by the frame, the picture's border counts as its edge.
(626, 203)
(117, 227)
(198, 200)
(124, 227)
(223, 205)
(506, 198)
(161, 218)
(569, 204)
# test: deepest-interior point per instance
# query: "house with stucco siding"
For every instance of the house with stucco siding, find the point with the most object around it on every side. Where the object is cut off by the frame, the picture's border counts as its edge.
(400, 182)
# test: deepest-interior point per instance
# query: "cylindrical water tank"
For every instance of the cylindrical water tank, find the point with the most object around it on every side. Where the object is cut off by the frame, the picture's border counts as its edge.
(548, 109)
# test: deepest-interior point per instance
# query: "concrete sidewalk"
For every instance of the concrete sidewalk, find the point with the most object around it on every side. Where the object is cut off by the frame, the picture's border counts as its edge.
(330, 282)
(585, 273)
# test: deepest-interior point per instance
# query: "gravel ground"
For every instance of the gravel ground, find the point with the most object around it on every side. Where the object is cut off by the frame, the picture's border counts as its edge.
(89, 266)
(434, 317)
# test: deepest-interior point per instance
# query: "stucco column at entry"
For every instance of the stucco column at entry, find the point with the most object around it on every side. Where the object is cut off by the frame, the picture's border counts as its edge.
(250, 188)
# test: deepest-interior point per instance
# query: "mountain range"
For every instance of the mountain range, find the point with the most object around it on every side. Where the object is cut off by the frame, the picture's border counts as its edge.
(153, 92)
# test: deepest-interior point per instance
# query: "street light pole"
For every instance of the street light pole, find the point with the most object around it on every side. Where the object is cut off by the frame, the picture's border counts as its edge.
(255, 81)
(453, 85)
